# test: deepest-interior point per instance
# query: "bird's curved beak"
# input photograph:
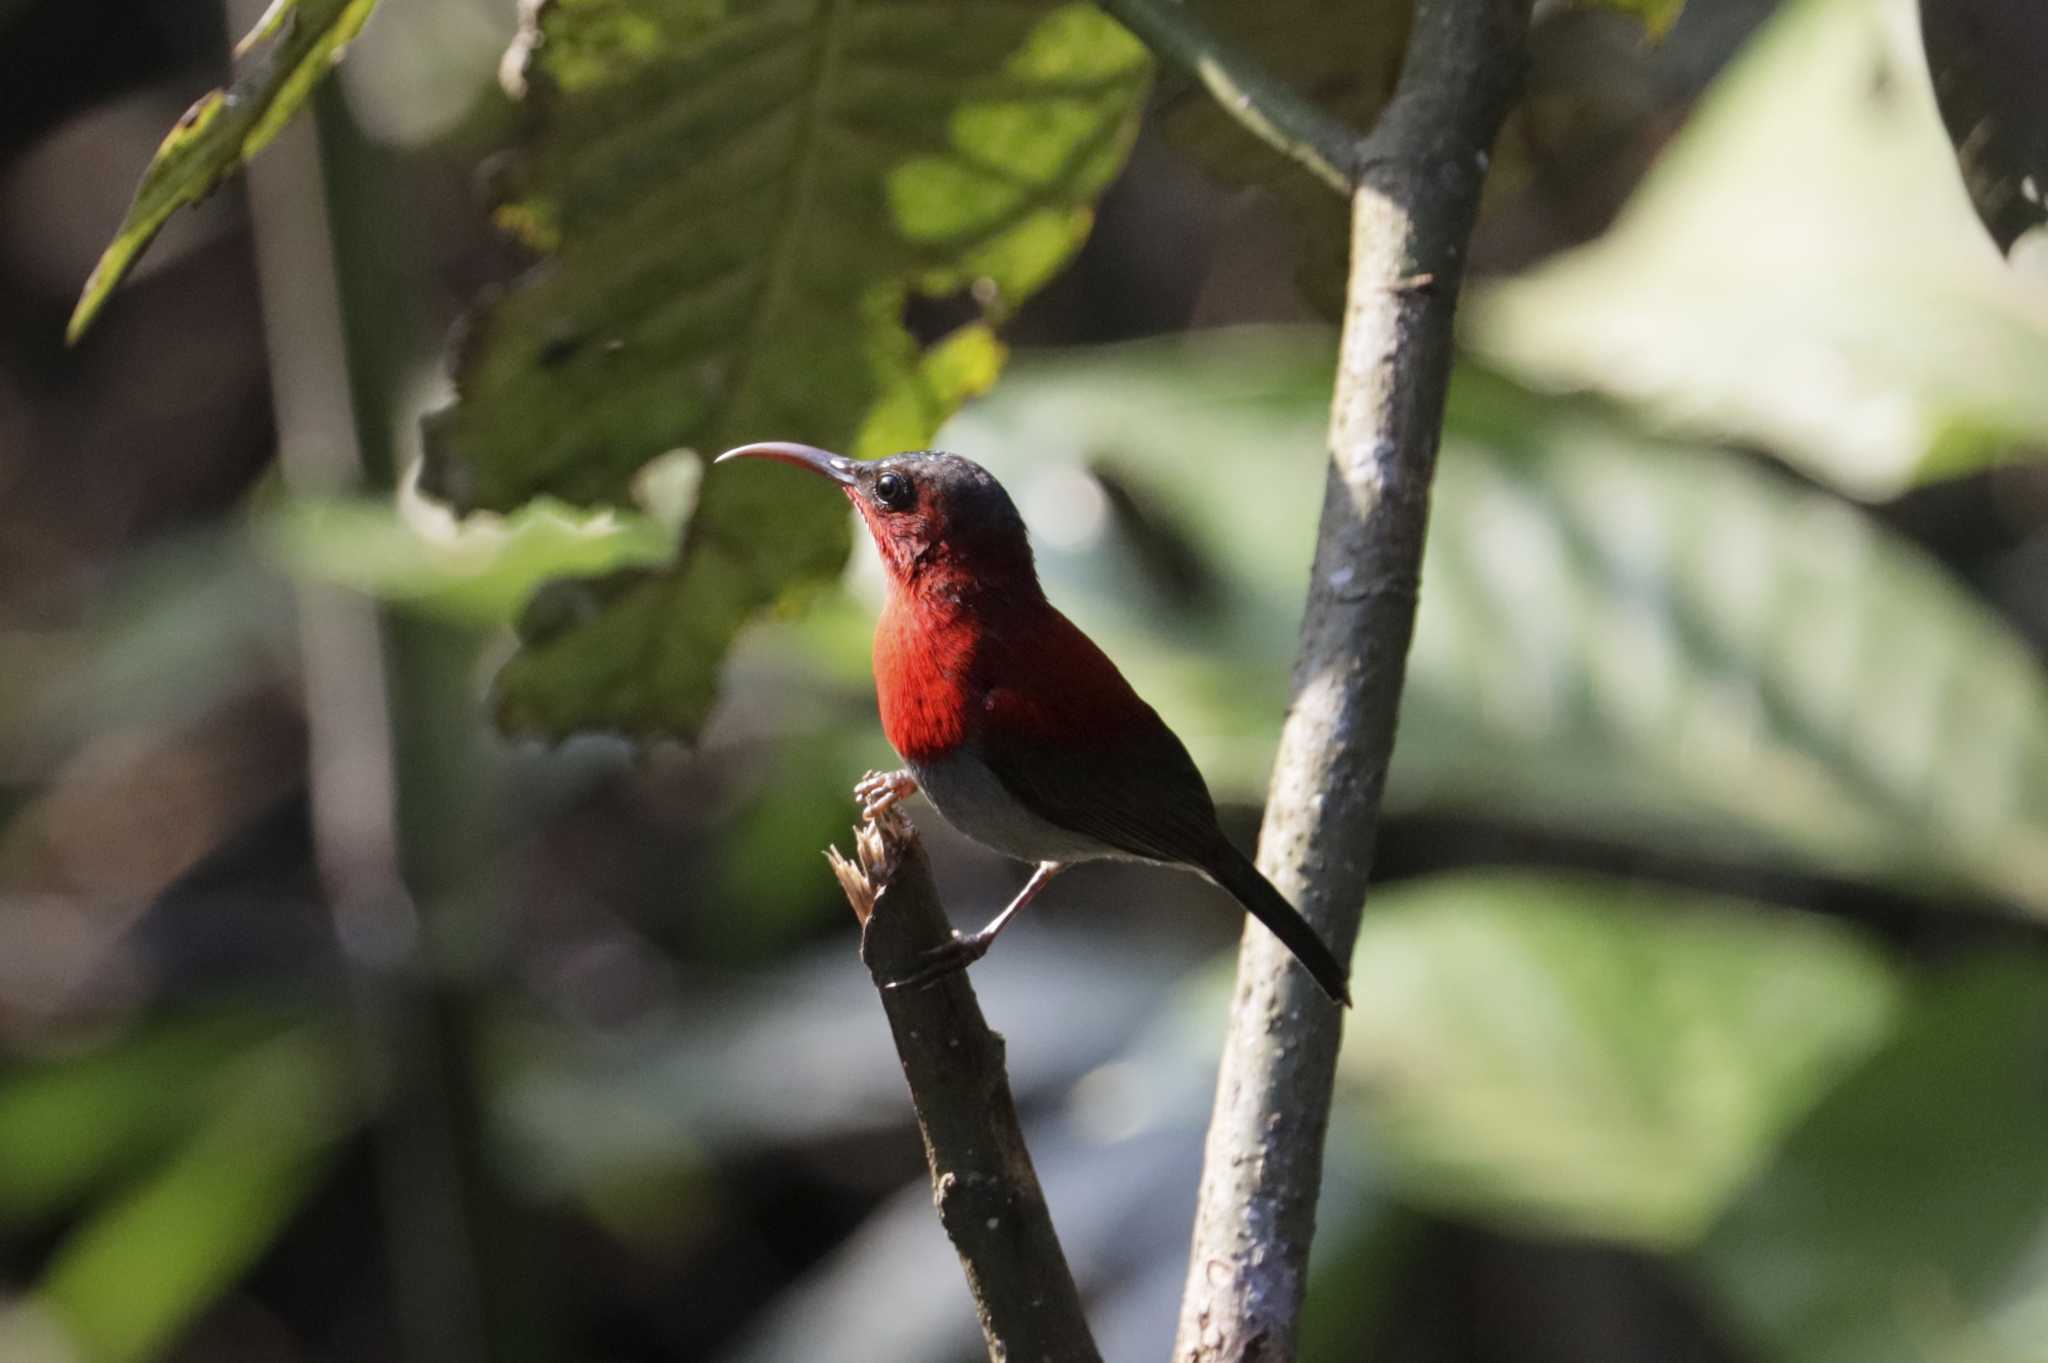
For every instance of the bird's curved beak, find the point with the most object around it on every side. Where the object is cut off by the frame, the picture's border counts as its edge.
(837, 467)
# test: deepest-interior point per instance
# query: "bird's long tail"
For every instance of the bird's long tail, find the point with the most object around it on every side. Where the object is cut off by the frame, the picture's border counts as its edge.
(1234, 871)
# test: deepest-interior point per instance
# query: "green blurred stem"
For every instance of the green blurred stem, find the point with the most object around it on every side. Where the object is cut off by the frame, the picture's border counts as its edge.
(1268, 107)
(1421, 170)
(336, 329)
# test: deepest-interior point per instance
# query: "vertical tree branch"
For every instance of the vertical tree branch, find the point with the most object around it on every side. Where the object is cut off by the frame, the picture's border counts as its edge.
(1412, 215)
(983, 1184)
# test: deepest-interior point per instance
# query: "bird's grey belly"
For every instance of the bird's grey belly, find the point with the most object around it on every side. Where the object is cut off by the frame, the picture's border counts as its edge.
(963, 789)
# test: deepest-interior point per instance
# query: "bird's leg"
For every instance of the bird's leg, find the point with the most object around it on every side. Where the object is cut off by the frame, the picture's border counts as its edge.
(879, 791)
(965, 950)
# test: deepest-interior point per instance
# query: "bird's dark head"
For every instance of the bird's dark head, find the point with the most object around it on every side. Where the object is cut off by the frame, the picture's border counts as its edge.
(933, 515)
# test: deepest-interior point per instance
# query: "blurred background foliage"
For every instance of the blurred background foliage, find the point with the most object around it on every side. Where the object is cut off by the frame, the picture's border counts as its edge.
(1703, 1010)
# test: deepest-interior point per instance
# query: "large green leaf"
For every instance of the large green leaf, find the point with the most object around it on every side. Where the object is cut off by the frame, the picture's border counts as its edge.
(736, 202)
(1801, 270)
(1592, 1057)
(1907, 1220)
(1618, 636)
(302, 40)
(1667, 637)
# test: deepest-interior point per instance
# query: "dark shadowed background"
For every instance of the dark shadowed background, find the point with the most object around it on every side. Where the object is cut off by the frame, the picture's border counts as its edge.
(1703, 1015)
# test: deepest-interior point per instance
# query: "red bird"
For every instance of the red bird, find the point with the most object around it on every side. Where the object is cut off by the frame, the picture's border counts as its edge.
(1012, 722)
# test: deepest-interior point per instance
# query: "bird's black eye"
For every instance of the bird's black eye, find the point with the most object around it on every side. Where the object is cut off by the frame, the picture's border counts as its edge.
(893, 492)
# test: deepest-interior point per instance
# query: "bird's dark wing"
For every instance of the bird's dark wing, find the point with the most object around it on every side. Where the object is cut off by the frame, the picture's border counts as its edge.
(1067, 737)
(1137, 791)
(1140, 792)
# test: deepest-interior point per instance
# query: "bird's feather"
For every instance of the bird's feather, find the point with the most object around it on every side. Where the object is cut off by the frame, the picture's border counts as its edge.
(1065, 733)
(1083, 751)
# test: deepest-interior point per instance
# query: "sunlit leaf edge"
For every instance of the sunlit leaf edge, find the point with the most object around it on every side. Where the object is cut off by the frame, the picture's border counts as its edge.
(223, 129)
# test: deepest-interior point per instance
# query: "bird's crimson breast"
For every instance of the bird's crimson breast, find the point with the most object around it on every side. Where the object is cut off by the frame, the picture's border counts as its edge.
(1027, 738)
(924, 682)
(1025, 674)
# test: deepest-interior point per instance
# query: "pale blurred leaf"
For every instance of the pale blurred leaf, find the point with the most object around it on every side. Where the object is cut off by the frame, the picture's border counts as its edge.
(225, 128)
(67, 1126)
(1590, 1057)
(1907, 1220)
(175, 630)
(128, 1281)
(1801, 270)
(481, 570)
(735, 203)
(1670, 637)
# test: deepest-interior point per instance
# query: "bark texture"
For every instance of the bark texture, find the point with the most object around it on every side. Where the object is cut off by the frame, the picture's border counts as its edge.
(983, 1185)
(1418, 182)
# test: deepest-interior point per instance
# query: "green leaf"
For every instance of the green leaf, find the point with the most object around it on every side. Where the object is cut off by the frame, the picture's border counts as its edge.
(68, 1126)
(1985, 57)
(1800, 271)
(1590, 1057)
(126, 1283)
(225, 128)
(736, 202)
(479, 570)
(1672, 638)
(1619, 636)
(1907, 1220)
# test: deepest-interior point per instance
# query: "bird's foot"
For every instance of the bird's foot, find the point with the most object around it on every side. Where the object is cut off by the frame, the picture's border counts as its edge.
(945, 959)
(879, 791)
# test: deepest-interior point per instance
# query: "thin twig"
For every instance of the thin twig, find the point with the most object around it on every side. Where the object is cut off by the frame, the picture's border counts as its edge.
(1412, 216)
(983, 1184)
(1268, 107)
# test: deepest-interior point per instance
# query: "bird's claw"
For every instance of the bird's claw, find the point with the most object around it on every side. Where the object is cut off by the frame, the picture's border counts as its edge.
(880, 791)
(945, 959)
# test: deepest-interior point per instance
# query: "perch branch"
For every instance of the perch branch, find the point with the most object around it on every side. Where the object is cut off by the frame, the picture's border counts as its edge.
(983, 1185)
(1412, 216)
(1269, 108)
